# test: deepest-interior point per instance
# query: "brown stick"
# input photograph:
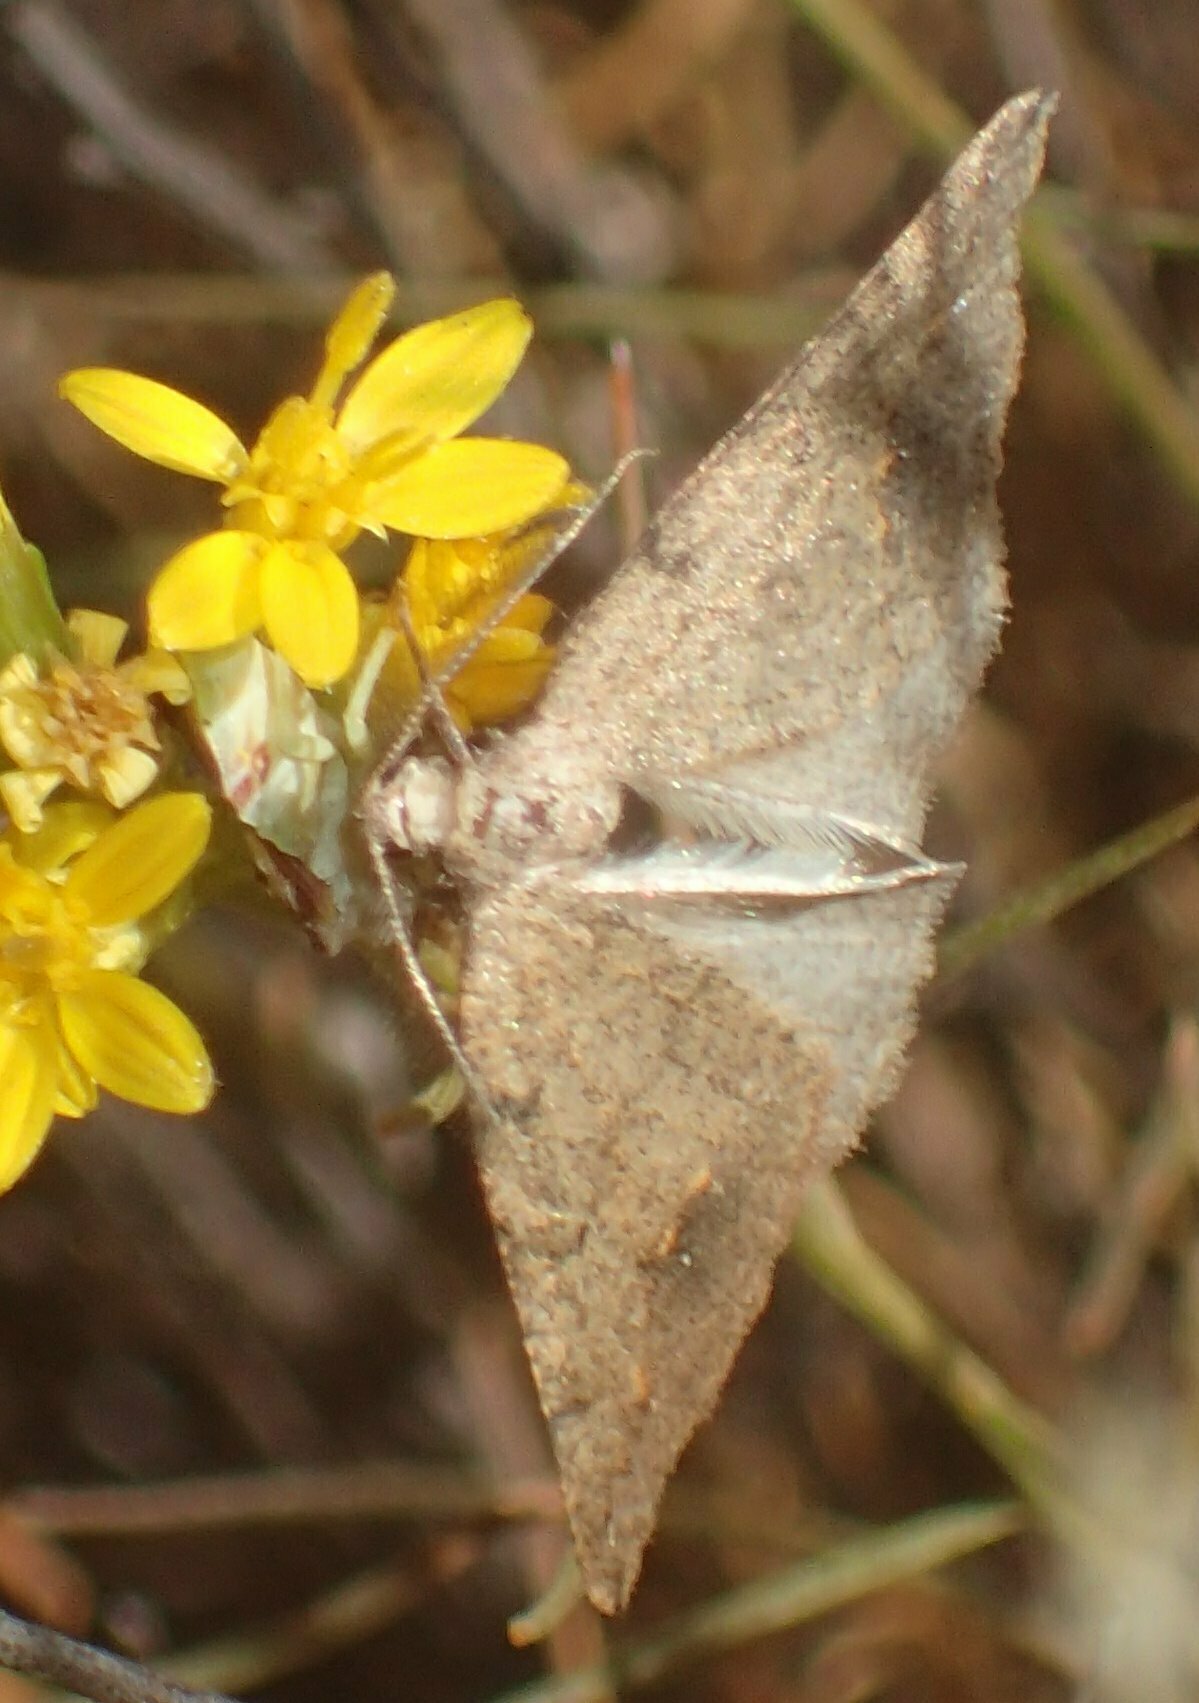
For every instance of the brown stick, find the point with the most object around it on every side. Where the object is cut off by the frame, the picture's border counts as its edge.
(52, 1657)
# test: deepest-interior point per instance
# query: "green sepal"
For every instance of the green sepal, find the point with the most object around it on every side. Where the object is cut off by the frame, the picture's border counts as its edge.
(30, 620)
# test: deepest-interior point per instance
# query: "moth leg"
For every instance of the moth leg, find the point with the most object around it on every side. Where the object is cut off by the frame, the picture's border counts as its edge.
(432, 700)
(374, 826)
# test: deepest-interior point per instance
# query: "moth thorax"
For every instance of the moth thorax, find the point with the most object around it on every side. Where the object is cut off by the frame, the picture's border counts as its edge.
(539, 819)
(419, 807)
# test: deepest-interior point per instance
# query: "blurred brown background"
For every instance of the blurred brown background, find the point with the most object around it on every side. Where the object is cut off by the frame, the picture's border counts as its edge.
(188, 187)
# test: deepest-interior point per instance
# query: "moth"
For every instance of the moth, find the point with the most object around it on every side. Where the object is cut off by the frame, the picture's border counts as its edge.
(697, 911)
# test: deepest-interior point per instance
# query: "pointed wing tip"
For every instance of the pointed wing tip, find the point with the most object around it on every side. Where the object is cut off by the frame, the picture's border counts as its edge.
(612, 1513)
(610, 1569)
(1031, 109)
(609, 1589)
(1014, 141)
(613, 1475)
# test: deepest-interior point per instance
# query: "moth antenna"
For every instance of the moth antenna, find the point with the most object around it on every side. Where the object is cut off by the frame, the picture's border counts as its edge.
(562, 541)
(433, 698)
(434, 683)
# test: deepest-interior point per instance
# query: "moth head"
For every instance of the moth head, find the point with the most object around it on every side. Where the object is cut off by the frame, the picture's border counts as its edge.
(416, 812)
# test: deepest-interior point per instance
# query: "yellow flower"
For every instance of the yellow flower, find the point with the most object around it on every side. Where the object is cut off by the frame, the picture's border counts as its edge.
(388, 458)
(85, 721)
(450, 587)
(74, 1016)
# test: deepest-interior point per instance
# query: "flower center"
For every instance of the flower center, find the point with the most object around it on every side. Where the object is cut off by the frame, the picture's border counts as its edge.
(78, 716)
(45, 942)
(300, 481)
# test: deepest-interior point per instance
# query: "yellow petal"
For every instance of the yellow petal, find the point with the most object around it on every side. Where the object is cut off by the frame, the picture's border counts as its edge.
(400, 680)
(140, 858)
(445, 578)
(207, 594)
(19, 671)
(28, 1084)
(490, 692)
(27, 731)
(98, 637)
(156, 422)
(533, 613)
(509, 644)
(23, 732)
(419, 584)
(125, 775)
(77, 1093)
(310, 611)
(66, 830)
(468, 487)
(24, 791)
(157, 671)
(352, 333)
(134, 1041)
(436, 379)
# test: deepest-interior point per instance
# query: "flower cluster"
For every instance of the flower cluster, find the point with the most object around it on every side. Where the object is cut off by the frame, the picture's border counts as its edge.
(448, 590)
(387, 458)
(271, 662)
(74, 1015)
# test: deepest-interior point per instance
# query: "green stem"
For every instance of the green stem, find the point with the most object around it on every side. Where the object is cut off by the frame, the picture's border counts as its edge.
(1067, 887)
(787, 1598)
(828, 1243)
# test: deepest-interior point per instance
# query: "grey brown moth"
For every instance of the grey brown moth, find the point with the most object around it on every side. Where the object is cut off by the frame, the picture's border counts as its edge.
(666, 1044)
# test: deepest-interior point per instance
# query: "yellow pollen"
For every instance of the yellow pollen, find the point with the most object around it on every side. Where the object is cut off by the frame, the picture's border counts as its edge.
(45, 940)
(300, 482)
(83, 713)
